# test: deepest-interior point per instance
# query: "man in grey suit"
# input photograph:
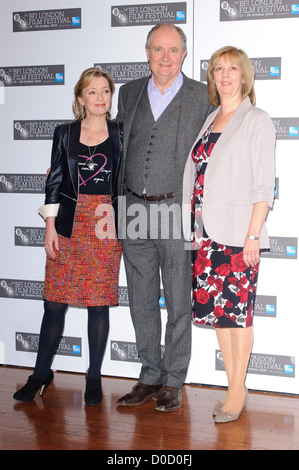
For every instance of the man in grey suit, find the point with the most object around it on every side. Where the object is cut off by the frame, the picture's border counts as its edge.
(161, 116)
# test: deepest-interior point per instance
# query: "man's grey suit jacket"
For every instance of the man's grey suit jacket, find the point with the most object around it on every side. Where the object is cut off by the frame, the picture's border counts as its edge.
(195, 107)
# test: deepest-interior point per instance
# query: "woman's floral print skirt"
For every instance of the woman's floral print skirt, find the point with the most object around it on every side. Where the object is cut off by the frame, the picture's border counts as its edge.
(224, 288)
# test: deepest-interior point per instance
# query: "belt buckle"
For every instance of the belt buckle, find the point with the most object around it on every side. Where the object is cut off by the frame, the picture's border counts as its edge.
(144, 196)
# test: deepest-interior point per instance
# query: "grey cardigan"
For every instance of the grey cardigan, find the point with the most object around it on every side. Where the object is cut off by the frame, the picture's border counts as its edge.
(240, 172)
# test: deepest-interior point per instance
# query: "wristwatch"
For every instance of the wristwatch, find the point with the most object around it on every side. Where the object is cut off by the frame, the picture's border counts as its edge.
(252, 237)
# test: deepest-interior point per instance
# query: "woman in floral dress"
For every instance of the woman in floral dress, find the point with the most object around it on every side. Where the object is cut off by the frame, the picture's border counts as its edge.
(229, 177)
(224, 288)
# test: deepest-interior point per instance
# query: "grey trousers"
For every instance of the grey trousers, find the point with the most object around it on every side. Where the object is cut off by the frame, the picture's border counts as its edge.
(147, 258)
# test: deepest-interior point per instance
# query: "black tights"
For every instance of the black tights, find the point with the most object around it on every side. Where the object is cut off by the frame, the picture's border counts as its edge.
(51, 332)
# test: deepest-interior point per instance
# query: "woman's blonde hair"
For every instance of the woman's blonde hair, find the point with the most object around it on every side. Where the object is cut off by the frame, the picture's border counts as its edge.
(84, 81)
(247, 69)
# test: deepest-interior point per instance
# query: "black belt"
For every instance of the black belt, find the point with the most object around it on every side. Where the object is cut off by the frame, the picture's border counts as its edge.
(158, 197)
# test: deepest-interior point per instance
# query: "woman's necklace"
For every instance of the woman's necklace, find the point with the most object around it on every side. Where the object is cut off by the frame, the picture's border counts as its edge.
(91, 164)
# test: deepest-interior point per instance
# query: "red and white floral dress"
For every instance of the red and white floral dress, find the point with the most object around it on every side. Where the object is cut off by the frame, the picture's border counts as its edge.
(224, 288)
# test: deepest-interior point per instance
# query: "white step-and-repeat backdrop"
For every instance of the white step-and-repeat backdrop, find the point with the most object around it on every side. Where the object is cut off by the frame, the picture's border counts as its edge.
(45, 45)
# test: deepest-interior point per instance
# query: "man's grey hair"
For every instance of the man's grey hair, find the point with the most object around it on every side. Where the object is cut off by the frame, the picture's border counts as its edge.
(169, 25)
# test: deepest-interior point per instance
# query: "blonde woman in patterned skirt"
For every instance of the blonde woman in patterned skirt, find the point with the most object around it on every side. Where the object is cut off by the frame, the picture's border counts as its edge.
(83, 252)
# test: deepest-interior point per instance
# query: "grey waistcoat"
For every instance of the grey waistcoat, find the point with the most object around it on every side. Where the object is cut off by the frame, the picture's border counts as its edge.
(151, 155)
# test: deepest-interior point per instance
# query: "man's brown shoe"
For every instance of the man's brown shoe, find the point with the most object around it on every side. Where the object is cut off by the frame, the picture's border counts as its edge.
(169, 399)
(140, 394)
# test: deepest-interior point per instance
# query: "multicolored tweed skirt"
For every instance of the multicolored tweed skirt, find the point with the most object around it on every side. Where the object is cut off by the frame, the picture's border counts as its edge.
(86, 269)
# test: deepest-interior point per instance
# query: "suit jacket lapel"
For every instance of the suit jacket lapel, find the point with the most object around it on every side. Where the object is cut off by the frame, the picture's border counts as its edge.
(114, 133)
(184, 117)
(131, 106)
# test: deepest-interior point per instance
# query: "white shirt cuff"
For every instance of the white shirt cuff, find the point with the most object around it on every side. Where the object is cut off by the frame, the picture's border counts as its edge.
(48, 210)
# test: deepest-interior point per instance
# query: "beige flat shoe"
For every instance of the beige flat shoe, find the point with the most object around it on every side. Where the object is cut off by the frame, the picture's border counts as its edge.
(227, 416)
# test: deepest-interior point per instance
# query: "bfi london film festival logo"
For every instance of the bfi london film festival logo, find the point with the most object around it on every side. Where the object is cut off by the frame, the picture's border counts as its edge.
(126, 351)
(286, 128)
(44, 20)
(141, 15)
(282, 248)
(236, 10)
(36, 130)
(123, 72)
(68, 346)
(32, 75)
(29, 236)
(265, 306)
(21, 289)
(22, 183)
(123, 297)
(264, 364)
(266, 68)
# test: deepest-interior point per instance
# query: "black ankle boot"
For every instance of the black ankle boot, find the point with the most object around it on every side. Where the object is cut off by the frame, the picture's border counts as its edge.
(27, 393)
(93, 391)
